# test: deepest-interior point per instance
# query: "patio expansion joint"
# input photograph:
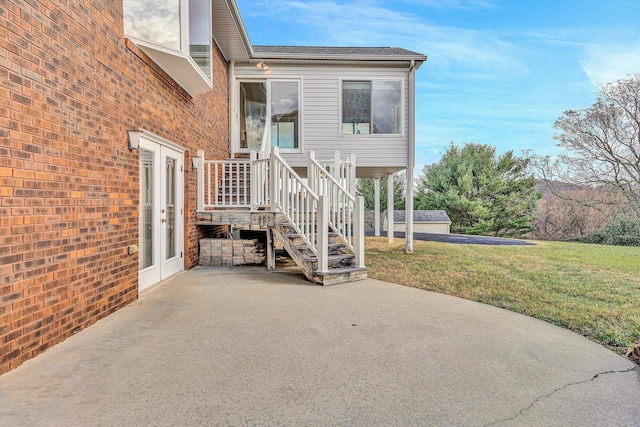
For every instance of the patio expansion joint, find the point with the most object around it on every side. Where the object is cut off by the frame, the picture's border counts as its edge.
(522, 411)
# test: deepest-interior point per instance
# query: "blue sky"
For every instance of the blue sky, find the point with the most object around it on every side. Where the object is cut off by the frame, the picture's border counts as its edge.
(499, 72)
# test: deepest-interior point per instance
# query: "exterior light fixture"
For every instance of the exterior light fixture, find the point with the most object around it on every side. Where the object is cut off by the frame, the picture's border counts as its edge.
(262, 66)
(195, 162)
(133, 139)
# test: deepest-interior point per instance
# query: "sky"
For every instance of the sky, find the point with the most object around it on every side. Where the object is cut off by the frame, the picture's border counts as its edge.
(499, 72)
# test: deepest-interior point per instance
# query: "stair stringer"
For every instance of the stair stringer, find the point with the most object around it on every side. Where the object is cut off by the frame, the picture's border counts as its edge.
(338, 272)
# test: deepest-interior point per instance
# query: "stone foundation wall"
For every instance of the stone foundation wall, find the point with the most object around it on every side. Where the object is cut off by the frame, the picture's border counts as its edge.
(228, 252)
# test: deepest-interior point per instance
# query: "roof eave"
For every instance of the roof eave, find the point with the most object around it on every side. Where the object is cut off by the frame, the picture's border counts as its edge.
(231, 37)
(338, 57)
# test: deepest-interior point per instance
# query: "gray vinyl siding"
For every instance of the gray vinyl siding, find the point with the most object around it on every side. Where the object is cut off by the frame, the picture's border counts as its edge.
(321, 119)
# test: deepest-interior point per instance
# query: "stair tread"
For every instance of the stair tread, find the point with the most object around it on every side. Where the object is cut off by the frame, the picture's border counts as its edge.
(341, 270)
(331, 257)
(331, 245)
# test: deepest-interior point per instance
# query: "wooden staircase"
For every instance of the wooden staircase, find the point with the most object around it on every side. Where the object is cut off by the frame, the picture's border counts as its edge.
(229, 186)
(341, 264)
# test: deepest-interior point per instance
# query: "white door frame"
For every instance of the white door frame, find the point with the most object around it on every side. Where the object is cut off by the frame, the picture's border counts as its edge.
(164, 260)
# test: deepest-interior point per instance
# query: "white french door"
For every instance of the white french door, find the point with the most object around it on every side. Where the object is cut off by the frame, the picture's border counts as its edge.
(161, 213)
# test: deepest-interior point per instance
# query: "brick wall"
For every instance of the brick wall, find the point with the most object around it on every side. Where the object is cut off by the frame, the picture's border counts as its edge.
(70, 87)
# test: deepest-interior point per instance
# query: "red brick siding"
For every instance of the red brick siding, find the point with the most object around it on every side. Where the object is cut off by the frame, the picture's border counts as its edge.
(70, 87)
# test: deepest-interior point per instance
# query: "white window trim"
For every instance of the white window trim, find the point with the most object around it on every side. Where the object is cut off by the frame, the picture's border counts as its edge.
(403, 101)
(236, 107)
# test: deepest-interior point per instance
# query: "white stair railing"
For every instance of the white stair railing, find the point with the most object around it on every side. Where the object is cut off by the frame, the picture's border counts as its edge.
(260, 182)
(343, 170)
(305, 212)
(346, 211)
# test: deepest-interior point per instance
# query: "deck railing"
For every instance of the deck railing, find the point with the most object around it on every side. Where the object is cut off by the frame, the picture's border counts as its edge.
(311, 207)
(223, 183)
(343, 170)
(300, 205)
(346, 211)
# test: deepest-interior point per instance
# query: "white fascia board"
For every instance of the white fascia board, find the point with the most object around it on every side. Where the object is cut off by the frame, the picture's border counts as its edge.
(182, 68)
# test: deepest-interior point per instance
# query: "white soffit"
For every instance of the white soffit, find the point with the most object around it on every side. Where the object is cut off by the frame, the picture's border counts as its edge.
(229, 32)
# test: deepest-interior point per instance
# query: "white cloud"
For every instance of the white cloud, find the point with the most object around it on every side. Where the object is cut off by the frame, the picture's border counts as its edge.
(368, 23)
(455, 4)
(607, 63)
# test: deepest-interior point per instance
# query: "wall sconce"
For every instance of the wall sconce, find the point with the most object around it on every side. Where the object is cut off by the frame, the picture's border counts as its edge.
(133, 139)
(195, 162)
(262, 66)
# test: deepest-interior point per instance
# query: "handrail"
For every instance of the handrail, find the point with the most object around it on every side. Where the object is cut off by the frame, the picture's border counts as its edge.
(300, 205)
(264, 145)
(343, 170)
(345, 210)
(274, 184)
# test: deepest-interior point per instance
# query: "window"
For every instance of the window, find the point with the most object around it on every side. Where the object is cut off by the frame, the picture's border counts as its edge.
(253, 114)
(269, 112)
(176, 35)
(284, 114)
(372, 107)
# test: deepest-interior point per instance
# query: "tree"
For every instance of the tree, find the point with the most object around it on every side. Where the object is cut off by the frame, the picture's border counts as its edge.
(482, 193)
(559, 216)
(601, 144)
(365, 188)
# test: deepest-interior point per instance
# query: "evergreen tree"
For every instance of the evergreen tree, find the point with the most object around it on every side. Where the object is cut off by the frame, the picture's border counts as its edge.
(365, 188)
(482, 193)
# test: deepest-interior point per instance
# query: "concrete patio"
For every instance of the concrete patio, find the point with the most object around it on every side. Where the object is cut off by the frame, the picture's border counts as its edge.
(245, 346)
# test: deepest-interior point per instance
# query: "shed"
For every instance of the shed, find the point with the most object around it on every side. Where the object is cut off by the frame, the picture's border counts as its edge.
(424, 221)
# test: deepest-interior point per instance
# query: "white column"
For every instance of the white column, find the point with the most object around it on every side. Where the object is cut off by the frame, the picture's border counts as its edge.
(376, 201)
(358, 232)
(408, 233)
(390, 195)
(412, 159)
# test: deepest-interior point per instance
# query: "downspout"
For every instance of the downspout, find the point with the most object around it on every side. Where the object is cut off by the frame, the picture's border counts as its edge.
(412, 160)
(232, 108)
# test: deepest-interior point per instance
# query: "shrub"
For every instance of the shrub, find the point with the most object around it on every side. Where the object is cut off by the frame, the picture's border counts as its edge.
(624, 230)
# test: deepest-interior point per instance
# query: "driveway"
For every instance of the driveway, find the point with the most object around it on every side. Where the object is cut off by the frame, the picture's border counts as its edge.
(247, 347)
(460, 239)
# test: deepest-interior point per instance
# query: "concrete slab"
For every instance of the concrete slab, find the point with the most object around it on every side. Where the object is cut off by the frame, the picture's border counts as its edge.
(245, 346)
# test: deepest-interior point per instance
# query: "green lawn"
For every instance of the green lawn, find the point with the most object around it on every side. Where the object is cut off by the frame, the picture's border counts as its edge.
(591, 289)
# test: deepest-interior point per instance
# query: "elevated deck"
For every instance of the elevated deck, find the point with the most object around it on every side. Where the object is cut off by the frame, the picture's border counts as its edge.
(238, 217)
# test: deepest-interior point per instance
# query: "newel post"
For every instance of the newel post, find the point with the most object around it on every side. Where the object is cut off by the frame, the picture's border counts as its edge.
(322, 230)
(311, 178)
(358, 231)
(352, 175)
(253, 180)
(200, 181)
(337, 170)
(274, 183)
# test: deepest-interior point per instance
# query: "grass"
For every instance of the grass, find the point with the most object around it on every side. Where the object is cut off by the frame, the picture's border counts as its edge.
(593, 290)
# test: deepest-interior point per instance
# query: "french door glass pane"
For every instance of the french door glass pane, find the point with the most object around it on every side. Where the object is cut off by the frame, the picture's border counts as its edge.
(171, 208)
(253, 114)
(146, 205)
(284, 114)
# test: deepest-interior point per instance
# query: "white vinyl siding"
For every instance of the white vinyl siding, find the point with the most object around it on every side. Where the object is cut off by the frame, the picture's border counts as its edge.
(321, 113)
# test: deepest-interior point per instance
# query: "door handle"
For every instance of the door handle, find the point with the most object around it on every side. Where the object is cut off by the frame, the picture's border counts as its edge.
(163, 220)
